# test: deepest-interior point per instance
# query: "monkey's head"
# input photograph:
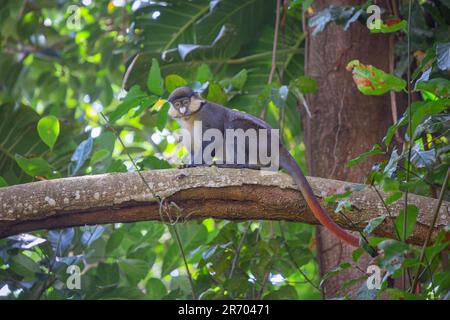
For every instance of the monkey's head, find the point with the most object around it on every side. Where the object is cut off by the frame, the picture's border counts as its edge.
(184, 102)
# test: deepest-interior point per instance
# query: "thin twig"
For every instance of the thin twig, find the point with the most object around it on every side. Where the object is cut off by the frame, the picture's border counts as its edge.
(238, 251)
(156, 196)
(430, 230)
(274, 53)
(410, 133)
(295, 263)
(180, 245)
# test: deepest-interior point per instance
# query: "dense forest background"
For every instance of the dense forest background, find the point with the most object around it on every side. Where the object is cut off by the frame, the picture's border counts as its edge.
(83, 87)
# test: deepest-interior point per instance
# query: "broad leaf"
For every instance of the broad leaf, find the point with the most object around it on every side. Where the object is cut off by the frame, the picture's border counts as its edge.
(373, 81)
(174, 81)
(154, 80)
(373, 224)
(48, 129)
(411, 218)
(81, 154)
(443, 56)
(35, 166)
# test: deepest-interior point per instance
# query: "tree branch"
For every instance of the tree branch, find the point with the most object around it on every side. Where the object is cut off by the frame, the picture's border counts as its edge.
(233, 194)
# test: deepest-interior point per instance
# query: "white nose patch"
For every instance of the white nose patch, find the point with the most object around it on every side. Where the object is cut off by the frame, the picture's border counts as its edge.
(183, 109)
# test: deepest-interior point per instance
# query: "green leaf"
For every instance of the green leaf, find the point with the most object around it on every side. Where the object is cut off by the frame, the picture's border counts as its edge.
(373, 81)
(390, 184)
(34, 166)
(115, 240)
(134, 98)
(134, 269)
(373, 224)
(171, 259)
(116, 166)
(152, 162)
(342, 267)
(391, 25)
(238, 81)
(376, 149)
(437, 86)
(24, 266)
(411, 218)
(107, 275)
(3, 182)
(48, 129)
(284, 293)
(422, 109)
(394, 196)
(154, 80)
(156, 289)
(357, 253)
(305, 84)
(204, 74)
(163, 116)
(174, 81)
(192, 235)
(216, 94)
(99, 155)
(224, 46)
(443, 55)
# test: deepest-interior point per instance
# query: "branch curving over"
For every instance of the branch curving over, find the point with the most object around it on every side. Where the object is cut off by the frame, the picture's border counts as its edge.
(234, 194)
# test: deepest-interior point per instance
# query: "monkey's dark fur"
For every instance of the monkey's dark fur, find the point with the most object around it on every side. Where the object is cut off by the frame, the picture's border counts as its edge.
(187, 107)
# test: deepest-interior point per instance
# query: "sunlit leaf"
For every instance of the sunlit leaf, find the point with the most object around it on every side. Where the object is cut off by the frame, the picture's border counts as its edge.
(390, 26)
(174, 81)
(34, 166)
(48, 129)
(373, 81)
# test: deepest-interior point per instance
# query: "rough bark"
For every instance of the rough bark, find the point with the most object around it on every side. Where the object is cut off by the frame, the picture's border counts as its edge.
(345, 123)
(233, 194)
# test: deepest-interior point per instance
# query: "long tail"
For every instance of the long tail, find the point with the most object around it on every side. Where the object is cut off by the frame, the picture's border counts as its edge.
(288, 162)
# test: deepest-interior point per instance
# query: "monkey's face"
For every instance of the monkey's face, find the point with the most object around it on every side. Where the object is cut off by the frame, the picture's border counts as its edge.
(185, 107)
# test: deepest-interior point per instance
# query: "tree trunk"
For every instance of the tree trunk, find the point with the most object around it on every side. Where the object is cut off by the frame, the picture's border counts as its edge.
(344, 122)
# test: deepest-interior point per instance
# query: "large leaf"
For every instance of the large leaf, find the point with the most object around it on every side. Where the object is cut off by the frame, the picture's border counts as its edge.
(411, 217)
(373, 81)
(19, 138)
(194, 30)
(48, 129)
(443, 56)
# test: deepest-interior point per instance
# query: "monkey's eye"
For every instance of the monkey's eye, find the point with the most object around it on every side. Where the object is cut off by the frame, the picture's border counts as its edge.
(177, 104)
(186, 102)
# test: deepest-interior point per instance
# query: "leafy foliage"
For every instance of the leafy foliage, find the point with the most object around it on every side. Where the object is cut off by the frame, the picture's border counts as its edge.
(60, 66)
